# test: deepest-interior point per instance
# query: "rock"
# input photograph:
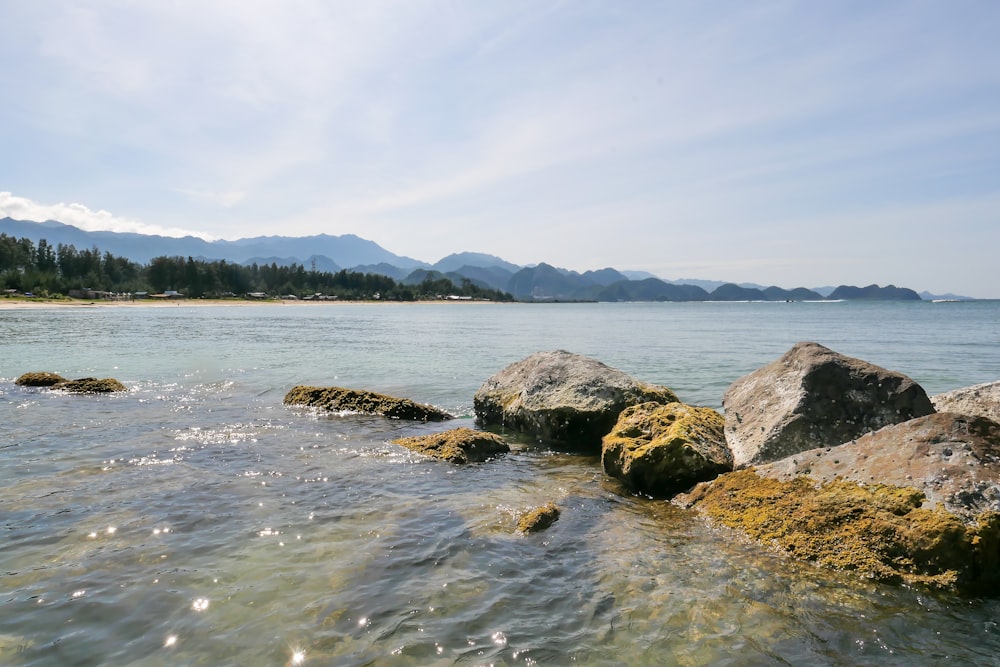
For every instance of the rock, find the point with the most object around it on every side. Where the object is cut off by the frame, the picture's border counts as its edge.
(879, 532)
(982, 400)
(814, 397)
(665, 449)
(539, 518)
(41, 379)
(339, 399)
(562, 398)
(459, 445)
(91, 386)
(952, 460)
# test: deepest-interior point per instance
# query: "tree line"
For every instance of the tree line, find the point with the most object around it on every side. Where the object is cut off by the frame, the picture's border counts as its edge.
(44, 270)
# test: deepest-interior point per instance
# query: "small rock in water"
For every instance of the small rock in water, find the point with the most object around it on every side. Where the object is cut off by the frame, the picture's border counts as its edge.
(459, 445)
(539, 518)
(40, 379)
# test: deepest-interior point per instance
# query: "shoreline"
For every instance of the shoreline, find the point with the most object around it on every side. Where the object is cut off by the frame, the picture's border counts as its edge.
(35, 304)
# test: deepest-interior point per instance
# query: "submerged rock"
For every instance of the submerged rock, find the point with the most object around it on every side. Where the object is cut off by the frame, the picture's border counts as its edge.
(539, 518)
(340, 399)
(40, 379)
(665, 449)
(562, 398)
(880, 532)
(982, 400)
(459, 445)
(814, 397)
(91, 386)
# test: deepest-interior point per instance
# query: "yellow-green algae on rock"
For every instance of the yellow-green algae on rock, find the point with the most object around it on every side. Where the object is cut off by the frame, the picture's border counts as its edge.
(881, 532)
(341, 399)
(665, 449)
(539, 518)
(459, 445)
(91, 386)
(39, 379)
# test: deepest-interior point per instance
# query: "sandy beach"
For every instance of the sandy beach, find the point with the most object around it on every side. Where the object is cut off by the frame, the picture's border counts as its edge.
(23, 304)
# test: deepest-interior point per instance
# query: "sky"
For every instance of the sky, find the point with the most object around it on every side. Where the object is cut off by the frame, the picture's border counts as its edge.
(777, 142)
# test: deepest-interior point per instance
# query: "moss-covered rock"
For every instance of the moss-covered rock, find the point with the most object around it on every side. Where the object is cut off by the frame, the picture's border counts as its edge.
(539, 518)
(665, 449)
(40, 379)
(340, 399)
(91, 386)
(459, 445)
(561, 398)
(879, 531)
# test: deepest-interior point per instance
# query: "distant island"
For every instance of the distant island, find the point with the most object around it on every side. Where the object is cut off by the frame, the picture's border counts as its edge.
(344, 266)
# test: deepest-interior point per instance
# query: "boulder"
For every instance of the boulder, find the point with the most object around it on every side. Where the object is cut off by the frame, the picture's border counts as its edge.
(917, 502)
(665, 449)
(459, 445)
(91, 386)
(814, 397)
(539, 518)
(982, 400)
(879, 532)
(952, 460)
(40, 379)
(562, 398)
(340, 399)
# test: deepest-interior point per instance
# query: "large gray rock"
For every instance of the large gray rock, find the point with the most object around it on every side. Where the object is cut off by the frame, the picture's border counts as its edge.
(665, 449)
(814, 397)
(562, 398)
(982, 400)
(954, 460)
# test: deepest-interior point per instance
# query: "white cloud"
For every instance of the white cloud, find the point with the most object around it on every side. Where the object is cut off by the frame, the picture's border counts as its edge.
(78, 215)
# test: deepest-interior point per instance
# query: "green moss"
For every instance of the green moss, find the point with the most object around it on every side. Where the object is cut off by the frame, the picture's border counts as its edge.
(539, 518)
(42, 379)
(459, 445)
(91, 386)
(881, 532)
(340, 399)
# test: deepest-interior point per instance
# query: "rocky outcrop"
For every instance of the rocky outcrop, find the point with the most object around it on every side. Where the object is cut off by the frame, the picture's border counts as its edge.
(665, 449)
(814, 397)
(917, 502)
(539, 518)
(877, 531)
(91, 386)
(340, 399)
(982, 400)
(459, 445)
(952, 460)
(40, 379)
(562, 398)
(80, 386)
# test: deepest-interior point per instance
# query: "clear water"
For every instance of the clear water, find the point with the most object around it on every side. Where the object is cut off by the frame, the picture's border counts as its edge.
(197, 521)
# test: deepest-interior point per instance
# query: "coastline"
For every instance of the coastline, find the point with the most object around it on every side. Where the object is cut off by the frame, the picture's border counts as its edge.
(31, 304)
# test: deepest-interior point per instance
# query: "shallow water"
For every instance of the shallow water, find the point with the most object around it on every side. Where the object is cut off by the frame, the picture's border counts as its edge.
(197, 521)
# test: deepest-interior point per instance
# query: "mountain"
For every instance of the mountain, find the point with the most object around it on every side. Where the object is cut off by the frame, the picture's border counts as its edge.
(874, 293)
(541, 282)
(347, 250)
(459, 260)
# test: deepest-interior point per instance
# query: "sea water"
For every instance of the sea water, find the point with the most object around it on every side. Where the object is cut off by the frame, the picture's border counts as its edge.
(195, 520)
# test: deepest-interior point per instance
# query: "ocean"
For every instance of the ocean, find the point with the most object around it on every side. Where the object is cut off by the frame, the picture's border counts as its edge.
(195, 520)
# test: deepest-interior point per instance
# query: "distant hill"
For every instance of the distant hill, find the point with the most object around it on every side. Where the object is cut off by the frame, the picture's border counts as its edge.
(874, 293)
(541, 282)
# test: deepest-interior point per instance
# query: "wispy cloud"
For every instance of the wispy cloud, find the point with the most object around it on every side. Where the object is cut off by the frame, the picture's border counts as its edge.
(80, 216)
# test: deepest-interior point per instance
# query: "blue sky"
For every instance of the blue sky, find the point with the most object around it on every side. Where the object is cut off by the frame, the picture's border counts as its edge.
(790, 143)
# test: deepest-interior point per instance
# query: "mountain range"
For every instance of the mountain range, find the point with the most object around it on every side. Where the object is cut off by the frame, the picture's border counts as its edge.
(541, 282)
